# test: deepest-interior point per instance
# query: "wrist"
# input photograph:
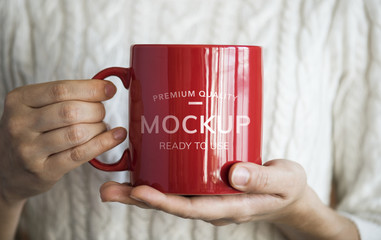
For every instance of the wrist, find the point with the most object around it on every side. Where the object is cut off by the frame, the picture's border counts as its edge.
(9, 203)
(311, 219)
(10, 212)
(19, 204)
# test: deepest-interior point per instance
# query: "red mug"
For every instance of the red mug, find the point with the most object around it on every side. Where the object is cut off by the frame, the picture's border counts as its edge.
(194, 111)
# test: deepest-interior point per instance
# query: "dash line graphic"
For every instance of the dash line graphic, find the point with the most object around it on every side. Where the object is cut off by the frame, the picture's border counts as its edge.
(194, 103)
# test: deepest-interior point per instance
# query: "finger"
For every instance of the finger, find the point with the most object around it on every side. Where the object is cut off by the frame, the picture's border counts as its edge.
(207, 208)
(214, 209)
(117, 192)
(68, 137)
(61, 163)
(67, 113)
(221, 222)
(277, 177)
(43, 94)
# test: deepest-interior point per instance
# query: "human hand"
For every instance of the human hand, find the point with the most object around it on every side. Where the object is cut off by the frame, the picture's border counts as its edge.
(271, 192)
(276, 192)
(49, 129)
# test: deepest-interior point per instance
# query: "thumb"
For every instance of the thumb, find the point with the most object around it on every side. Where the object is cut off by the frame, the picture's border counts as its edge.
(274, 177)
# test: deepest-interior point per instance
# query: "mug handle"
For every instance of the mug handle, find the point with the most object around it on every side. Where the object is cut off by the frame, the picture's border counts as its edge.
(124, 163)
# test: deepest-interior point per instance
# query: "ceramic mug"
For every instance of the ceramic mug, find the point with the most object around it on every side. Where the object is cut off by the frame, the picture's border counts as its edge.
(194, 111)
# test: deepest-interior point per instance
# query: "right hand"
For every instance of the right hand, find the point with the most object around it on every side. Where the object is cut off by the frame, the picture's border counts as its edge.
(49, 129)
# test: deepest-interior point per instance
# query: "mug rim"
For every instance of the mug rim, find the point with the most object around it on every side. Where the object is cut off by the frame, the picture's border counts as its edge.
(196, 45)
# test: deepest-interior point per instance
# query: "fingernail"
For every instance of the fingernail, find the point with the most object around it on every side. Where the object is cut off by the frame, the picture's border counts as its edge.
(240, 176)
(110, 90)
(119, 134)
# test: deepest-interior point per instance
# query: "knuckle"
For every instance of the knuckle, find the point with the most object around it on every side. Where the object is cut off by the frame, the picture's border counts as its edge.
(31, 165)
(261, 179)
(103, 143)
(187, 215)
(59, 91)
(69, 112)
(241, 219)
(77, 154)
(297, 176)
(15, 125)
(76, 134)
(294, 171)
(93, 91)
(34, 169)
(24, 151)
(12, 98)
(299, 170)
(191, 210)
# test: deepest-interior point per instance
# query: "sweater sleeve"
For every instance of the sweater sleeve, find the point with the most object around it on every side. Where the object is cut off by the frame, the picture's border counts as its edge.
(357, 119)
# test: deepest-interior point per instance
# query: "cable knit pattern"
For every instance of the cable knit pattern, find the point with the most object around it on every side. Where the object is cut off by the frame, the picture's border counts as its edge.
(322, 99)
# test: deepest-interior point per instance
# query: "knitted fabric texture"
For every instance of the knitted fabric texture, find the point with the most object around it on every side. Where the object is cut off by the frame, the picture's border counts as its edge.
(322, 99)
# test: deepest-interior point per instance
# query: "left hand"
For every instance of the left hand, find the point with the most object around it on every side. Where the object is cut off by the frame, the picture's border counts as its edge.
(274, 192)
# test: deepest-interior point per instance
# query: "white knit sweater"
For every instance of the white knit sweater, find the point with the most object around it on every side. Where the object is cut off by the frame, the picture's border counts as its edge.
(322, 98)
